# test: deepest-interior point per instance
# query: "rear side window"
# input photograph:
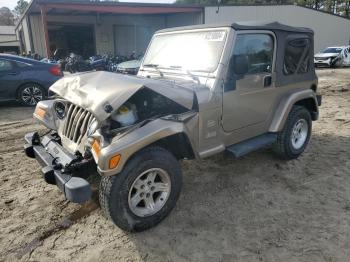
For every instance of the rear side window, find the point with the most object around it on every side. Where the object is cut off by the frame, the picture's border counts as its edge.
(297, 56)
(5, 65)
(22, 65)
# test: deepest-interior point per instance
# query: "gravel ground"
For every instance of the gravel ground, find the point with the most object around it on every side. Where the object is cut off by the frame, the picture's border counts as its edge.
(257, 208)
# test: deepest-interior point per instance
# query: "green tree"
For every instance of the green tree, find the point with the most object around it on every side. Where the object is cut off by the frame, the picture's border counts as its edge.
(6, 16)
(20, 7)
(339, 7)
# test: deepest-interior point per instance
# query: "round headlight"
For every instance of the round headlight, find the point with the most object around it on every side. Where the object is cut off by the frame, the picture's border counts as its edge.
(60, 109)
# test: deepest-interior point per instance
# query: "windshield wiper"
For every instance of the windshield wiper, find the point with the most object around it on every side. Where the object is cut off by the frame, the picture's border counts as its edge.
(156, 67)
(188, 72)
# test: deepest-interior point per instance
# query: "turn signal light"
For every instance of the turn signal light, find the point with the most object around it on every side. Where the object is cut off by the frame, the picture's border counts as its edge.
(40, 112)
(96, 148)
(114, 161)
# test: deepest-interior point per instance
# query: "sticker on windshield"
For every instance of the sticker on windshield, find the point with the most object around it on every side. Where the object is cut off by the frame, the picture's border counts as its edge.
(215, 36)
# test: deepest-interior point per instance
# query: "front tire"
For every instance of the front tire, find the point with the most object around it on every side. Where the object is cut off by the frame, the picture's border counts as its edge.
(295, 136)
(145, 192)
(30, 94)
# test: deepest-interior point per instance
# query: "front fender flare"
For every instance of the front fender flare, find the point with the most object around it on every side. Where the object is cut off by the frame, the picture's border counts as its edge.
(140, 138)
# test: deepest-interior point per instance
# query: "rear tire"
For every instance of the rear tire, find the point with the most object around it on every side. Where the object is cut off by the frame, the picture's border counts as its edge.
(134, 199)
(30, 94)
(293, 139)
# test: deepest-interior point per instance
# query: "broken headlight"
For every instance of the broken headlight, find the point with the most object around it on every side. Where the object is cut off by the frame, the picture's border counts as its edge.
(60, 110)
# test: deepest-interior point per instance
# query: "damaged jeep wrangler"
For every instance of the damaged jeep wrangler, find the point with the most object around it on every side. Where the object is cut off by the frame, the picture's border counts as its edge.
(201, 90)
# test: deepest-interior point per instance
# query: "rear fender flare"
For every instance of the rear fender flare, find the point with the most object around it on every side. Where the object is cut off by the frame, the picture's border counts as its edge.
(282, 111)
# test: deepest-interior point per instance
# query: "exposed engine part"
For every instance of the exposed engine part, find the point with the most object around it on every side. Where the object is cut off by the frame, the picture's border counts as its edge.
(126, 115)
(150, 104)
(144, 104)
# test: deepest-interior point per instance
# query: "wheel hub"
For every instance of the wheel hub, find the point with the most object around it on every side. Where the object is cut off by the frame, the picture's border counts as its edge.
(149, 192)
(32, 95)
(299, 133)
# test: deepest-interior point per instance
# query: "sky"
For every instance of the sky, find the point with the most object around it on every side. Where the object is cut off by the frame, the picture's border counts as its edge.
(12, 3)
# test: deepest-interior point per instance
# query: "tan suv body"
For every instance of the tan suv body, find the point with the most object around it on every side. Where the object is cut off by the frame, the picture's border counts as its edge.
(200, 90)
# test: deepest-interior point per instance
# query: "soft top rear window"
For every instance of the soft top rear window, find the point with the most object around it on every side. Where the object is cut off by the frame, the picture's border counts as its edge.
(297, 56)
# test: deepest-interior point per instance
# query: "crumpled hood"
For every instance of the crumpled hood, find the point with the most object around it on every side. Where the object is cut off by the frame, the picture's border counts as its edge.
(94, 90)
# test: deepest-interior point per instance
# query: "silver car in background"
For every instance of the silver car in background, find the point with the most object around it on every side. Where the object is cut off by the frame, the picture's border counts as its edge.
(333, 57)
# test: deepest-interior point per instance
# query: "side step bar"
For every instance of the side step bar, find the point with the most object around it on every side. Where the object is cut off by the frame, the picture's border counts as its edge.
(252, 144)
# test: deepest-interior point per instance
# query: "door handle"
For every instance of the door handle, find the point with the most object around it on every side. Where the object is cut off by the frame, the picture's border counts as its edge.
(13, 73)
(267, 81)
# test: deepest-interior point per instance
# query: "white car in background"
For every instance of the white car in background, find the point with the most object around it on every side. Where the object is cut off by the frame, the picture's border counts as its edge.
(333, 57)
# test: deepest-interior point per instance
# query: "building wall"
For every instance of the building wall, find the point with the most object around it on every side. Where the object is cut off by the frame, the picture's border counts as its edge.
(105, 30)
(7, 38)
(7, 34)
(26, 35)
(329, 30)
(38, 35)
(174, 20)
(23, 26)
(104, 27)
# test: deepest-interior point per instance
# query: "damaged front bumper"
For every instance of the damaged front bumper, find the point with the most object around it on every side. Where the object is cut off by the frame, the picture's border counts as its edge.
(59, 166)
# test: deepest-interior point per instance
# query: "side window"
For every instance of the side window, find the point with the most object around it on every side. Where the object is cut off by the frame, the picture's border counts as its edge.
(22, 65)
(346, 52)
(297, 56)
(257, 49)
(5, 65)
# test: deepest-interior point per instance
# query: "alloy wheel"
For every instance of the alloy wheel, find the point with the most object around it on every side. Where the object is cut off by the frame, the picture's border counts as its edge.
(149, 192)
(31, 95)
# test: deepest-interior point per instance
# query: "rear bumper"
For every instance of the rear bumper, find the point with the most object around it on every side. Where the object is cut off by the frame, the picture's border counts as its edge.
(54, 160)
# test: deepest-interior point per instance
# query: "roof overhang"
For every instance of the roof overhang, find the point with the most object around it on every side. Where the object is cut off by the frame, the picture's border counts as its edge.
(9, 43)
(65, 7)
(120, 9)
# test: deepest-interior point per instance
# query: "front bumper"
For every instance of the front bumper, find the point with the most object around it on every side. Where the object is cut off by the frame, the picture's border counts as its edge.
(322, 62)
(56, 163)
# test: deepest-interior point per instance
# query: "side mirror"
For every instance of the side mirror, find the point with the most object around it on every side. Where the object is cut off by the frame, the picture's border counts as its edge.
(239, 64)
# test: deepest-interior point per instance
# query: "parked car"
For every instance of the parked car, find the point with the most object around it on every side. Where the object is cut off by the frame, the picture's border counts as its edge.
(49, 60)
(200, 90)
(129, 67)
(99, 63)
(333, 57)
(26, 80)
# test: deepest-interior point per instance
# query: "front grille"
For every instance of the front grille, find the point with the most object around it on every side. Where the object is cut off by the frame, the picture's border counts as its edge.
(76, 123)
(321, 58)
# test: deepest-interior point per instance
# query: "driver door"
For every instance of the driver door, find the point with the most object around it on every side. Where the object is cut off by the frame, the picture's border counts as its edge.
(249, 96)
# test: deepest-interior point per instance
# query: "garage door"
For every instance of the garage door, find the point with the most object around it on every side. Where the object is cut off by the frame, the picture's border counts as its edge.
(131, 38)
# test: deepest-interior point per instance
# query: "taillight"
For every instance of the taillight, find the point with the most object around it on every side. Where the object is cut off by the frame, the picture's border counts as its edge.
(55, 70)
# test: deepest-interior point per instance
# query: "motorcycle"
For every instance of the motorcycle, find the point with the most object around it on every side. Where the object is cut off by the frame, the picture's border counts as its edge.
(76, 63)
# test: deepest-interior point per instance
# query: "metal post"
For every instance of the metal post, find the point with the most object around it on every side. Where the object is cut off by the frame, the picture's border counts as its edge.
(46, 32)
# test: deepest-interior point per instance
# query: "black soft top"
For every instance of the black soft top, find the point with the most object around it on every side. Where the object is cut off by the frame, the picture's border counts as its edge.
(273, 26)
(253, 25)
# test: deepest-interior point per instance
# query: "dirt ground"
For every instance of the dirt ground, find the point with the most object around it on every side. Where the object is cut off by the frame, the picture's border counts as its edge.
(257, 208)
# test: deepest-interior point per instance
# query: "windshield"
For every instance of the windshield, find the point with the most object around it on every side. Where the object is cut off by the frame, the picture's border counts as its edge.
(332, 50)
(192, 51)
